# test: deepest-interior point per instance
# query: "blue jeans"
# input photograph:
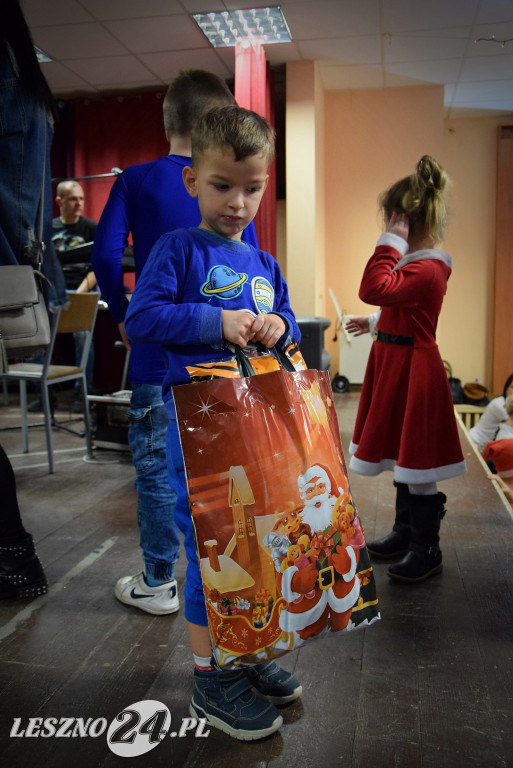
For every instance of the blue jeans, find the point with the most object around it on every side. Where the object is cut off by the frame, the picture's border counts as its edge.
(25, 131)
(159, 535)
(195, 608)
(79, 338)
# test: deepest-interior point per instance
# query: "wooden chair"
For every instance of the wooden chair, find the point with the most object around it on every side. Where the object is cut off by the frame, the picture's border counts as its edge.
(80, 316)
(494, 479)
(470, 414)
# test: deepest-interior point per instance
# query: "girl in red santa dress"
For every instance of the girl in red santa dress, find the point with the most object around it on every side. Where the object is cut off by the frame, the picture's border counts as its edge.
(405, 421)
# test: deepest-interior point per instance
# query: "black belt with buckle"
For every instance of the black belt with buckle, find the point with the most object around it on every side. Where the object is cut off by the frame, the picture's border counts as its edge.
(392, 338)
(327, 576)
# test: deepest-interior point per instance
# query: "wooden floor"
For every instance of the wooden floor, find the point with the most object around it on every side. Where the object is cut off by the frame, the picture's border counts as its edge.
(429, 685)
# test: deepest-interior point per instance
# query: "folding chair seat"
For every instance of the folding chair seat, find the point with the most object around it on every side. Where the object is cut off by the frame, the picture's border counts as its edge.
(79, 316)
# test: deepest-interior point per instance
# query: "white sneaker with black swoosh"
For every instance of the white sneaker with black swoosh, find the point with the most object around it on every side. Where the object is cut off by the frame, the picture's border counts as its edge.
(133, 590)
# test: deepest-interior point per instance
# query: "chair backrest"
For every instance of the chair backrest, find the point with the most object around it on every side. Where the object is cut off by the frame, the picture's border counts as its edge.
(81, 313)
(470, 414)
(80, 316)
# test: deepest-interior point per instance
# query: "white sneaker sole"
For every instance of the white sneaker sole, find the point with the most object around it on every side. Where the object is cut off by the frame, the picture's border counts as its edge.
(148, 608)
(144, 603)
(197, 712)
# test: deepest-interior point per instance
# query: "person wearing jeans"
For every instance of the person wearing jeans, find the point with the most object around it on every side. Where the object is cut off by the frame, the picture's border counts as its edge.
(146, 201)
(26, 132)
(159, 536)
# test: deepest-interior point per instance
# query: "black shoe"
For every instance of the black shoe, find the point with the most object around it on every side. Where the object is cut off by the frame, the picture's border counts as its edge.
(389, 547)
(418, 565)
(21, 573)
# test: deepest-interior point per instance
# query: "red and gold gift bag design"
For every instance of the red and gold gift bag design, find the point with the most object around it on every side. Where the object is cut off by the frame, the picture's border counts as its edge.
(280, 541)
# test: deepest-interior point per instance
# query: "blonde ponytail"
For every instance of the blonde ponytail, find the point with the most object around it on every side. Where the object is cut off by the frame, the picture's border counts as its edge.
(423, 197)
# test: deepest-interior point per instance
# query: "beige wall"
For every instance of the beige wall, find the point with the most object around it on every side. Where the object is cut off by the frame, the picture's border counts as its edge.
(466, 322)
(305, 229)
(371, 138)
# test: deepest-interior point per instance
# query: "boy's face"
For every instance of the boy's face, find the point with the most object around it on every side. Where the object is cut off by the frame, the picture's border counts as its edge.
(228, 191)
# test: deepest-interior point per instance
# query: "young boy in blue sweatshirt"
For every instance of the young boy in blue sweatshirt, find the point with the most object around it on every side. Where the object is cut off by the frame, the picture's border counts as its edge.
(201, 289)
(146, 201)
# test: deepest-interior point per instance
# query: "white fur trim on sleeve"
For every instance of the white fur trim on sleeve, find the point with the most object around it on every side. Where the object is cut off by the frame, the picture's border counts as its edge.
(286, 589)
(394, 241)
(373, 319)
(352, 568)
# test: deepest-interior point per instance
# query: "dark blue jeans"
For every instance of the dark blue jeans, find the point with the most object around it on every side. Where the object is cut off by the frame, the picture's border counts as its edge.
(156, 500)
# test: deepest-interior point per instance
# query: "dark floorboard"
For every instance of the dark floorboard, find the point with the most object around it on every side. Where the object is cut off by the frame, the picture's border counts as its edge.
(429, 686)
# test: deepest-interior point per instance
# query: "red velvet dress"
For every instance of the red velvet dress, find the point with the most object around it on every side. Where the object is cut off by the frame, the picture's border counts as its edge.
(405, 419)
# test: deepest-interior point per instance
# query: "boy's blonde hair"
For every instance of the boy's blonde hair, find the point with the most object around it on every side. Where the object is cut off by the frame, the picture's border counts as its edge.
(246, 132)
(189, 96)
(423, 197)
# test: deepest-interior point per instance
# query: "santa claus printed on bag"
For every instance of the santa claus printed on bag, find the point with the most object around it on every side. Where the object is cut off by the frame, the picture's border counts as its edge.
(315, 489)
(321, 593)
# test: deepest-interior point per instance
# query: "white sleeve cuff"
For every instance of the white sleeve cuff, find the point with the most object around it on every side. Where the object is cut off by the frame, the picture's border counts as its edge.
(373, 319)
(394, 241)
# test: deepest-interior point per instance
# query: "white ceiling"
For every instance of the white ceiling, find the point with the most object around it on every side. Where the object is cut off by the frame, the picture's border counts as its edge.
(119, 45)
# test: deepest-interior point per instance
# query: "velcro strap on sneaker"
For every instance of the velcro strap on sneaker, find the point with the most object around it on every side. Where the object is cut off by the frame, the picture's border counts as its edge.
(239, 686)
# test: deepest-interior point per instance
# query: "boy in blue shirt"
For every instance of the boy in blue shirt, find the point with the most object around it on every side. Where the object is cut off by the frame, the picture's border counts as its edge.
(146, 201)
(199, 291)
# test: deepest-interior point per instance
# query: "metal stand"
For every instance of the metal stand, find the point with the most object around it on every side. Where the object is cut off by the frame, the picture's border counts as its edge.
(114, 172)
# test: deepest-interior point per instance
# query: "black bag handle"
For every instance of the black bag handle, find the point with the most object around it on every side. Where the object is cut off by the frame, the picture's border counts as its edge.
(243, 363)
(246, 369)
(284, 360)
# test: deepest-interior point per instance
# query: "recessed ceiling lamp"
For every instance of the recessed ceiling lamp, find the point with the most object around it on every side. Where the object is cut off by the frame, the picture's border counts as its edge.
(262, 25)
(41, 55)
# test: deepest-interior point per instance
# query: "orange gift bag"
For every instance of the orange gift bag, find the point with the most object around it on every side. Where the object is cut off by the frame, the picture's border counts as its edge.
(280, 542)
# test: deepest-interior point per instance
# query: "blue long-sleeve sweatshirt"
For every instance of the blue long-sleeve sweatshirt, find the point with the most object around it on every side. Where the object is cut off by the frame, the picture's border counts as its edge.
(190, 277)
(147, 200)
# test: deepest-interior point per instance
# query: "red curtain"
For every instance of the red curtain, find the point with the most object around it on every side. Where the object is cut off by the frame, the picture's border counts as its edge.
(93, 136)
(253, 90)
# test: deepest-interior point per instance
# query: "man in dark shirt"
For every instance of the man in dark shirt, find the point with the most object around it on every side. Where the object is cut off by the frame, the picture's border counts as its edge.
(71, 230)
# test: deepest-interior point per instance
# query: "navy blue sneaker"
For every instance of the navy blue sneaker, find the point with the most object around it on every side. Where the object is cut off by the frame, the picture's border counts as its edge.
(227, 702)
(274, 683)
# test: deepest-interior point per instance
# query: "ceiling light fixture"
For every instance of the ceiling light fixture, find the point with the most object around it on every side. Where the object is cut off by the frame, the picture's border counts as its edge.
(262, 25)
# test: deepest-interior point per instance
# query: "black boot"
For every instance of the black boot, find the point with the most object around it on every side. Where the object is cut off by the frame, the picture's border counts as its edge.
(424, 558)
(21, 573)
(395, 544)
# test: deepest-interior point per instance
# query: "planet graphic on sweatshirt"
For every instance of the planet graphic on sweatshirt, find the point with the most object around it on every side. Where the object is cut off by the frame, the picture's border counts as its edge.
(224, 283)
